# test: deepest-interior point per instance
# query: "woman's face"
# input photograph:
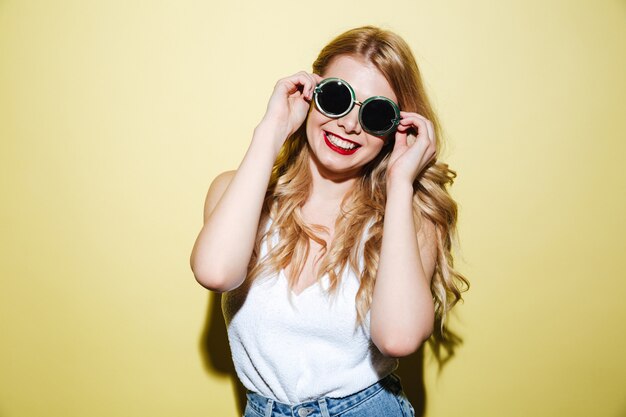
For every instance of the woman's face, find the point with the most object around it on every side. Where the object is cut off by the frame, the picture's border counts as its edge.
(341, 147)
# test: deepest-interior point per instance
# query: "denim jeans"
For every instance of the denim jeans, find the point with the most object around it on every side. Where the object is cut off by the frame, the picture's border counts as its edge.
(384, 398)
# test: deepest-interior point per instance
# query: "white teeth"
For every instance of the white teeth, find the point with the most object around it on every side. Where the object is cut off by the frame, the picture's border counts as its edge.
(343, 144)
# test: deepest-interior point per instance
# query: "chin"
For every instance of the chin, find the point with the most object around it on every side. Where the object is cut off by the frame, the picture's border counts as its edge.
(329, 167)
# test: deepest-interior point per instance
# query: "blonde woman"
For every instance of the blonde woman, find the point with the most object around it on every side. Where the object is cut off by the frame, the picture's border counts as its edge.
(331, 242)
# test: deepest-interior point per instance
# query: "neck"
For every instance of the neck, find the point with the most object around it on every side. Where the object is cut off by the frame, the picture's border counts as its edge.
(326, 187)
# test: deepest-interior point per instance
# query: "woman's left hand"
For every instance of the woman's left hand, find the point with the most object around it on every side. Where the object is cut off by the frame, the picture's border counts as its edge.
(411, 153)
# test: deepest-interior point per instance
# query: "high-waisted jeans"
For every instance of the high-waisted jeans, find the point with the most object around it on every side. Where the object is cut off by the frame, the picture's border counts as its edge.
(384, 398)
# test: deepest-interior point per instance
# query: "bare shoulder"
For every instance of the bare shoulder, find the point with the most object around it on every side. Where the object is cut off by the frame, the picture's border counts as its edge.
(216, 190)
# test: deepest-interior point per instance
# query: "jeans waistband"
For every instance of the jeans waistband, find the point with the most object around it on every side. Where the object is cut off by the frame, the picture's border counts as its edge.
(324, 406)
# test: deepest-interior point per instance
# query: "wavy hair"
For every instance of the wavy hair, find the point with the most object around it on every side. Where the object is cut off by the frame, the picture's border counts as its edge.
(359, 228)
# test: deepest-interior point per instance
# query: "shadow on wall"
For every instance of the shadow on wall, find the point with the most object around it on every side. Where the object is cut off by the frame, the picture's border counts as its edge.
(217, 359)
(215, 349)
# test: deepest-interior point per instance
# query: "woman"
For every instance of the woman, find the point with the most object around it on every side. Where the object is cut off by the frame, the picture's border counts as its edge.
(331, 242)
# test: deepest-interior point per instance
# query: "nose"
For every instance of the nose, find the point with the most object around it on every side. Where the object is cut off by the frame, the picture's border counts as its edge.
(350, 122)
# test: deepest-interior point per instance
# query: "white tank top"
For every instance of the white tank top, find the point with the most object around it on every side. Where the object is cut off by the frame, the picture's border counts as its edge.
(309, 349)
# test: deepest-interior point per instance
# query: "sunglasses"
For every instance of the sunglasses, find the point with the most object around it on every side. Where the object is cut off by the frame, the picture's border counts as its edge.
(335, 98)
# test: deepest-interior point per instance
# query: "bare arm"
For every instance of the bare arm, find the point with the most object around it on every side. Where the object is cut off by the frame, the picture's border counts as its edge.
(402, 309)
(222, 251)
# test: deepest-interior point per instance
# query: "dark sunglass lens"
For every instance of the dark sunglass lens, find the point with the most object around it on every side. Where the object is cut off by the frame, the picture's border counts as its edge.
(334, 98)
(377, 115)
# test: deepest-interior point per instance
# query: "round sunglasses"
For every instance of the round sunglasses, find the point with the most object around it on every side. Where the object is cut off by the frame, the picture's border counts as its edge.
(335, 98)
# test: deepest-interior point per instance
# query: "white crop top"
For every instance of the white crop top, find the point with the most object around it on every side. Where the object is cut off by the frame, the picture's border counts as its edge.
(298, 352)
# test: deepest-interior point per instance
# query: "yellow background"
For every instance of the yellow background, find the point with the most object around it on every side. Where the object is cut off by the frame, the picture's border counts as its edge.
(116, 115)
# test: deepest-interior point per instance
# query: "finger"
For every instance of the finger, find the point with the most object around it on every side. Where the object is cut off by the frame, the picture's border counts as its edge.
(420, 147)
(404, 128)
(417, 116)
(419, 123)
(315, 80)
(400, 145)
(318, 78)
(310, 87)
(401, 140)
(295, 83)
(313, 85)
(430, 127)
(309, 84)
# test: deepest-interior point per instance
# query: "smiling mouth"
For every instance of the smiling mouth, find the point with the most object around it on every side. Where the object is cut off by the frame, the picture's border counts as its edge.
(340, 145)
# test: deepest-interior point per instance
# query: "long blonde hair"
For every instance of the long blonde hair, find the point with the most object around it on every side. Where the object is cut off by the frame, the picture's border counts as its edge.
(363, 209)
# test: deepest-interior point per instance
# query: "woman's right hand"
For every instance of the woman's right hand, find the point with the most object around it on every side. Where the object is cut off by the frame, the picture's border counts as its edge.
(290, 102)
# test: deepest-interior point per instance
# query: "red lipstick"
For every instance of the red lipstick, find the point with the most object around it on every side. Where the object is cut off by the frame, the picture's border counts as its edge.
(341, 150)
